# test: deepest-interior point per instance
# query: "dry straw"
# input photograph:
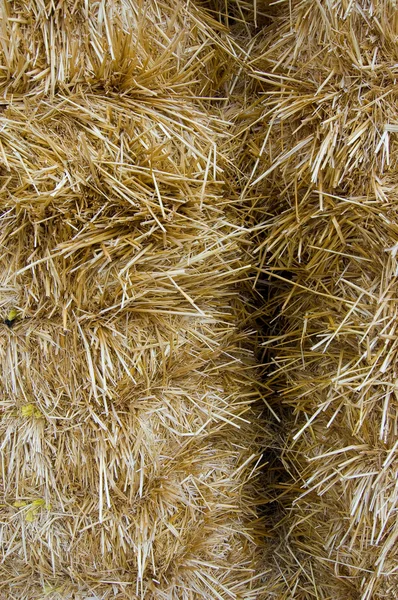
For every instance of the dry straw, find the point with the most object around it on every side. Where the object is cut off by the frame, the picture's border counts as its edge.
(130, 434)
(321, 158)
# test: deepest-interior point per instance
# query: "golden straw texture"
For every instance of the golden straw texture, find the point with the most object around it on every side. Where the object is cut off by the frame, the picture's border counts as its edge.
(323, 142)
(130, 425)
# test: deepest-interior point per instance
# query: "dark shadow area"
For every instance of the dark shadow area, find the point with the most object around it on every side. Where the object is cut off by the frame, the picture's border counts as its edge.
(276, 479)
(235, 13)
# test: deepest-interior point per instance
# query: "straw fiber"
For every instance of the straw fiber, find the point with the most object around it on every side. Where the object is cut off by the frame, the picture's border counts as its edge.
(130, 425)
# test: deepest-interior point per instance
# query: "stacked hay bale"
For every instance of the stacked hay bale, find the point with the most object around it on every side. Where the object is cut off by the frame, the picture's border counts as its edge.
(129, 435)
(324, 146)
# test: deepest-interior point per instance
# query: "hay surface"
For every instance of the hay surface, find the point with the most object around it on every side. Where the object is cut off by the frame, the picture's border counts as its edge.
(130, 439)
(324, 165)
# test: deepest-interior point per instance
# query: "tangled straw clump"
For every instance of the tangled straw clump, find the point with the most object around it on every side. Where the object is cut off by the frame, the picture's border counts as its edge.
(139, 144)
(130, 433)
(324, 169)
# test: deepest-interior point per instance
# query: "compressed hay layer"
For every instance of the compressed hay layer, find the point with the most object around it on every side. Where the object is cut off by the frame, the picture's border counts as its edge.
(129, 435)
(324, 164)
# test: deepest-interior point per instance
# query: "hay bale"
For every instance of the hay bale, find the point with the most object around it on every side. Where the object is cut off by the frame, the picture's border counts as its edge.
(130, 434)
(324, 143)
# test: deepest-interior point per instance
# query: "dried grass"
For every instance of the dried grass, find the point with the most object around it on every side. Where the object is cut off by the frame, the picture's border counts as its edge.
(130, 433)
(156, 157)
(321, 160)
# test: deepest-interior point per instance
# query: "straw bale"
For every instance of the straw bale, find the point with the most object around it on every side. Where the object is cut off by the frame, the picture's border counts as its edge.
(321, 157)
(130, 429)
